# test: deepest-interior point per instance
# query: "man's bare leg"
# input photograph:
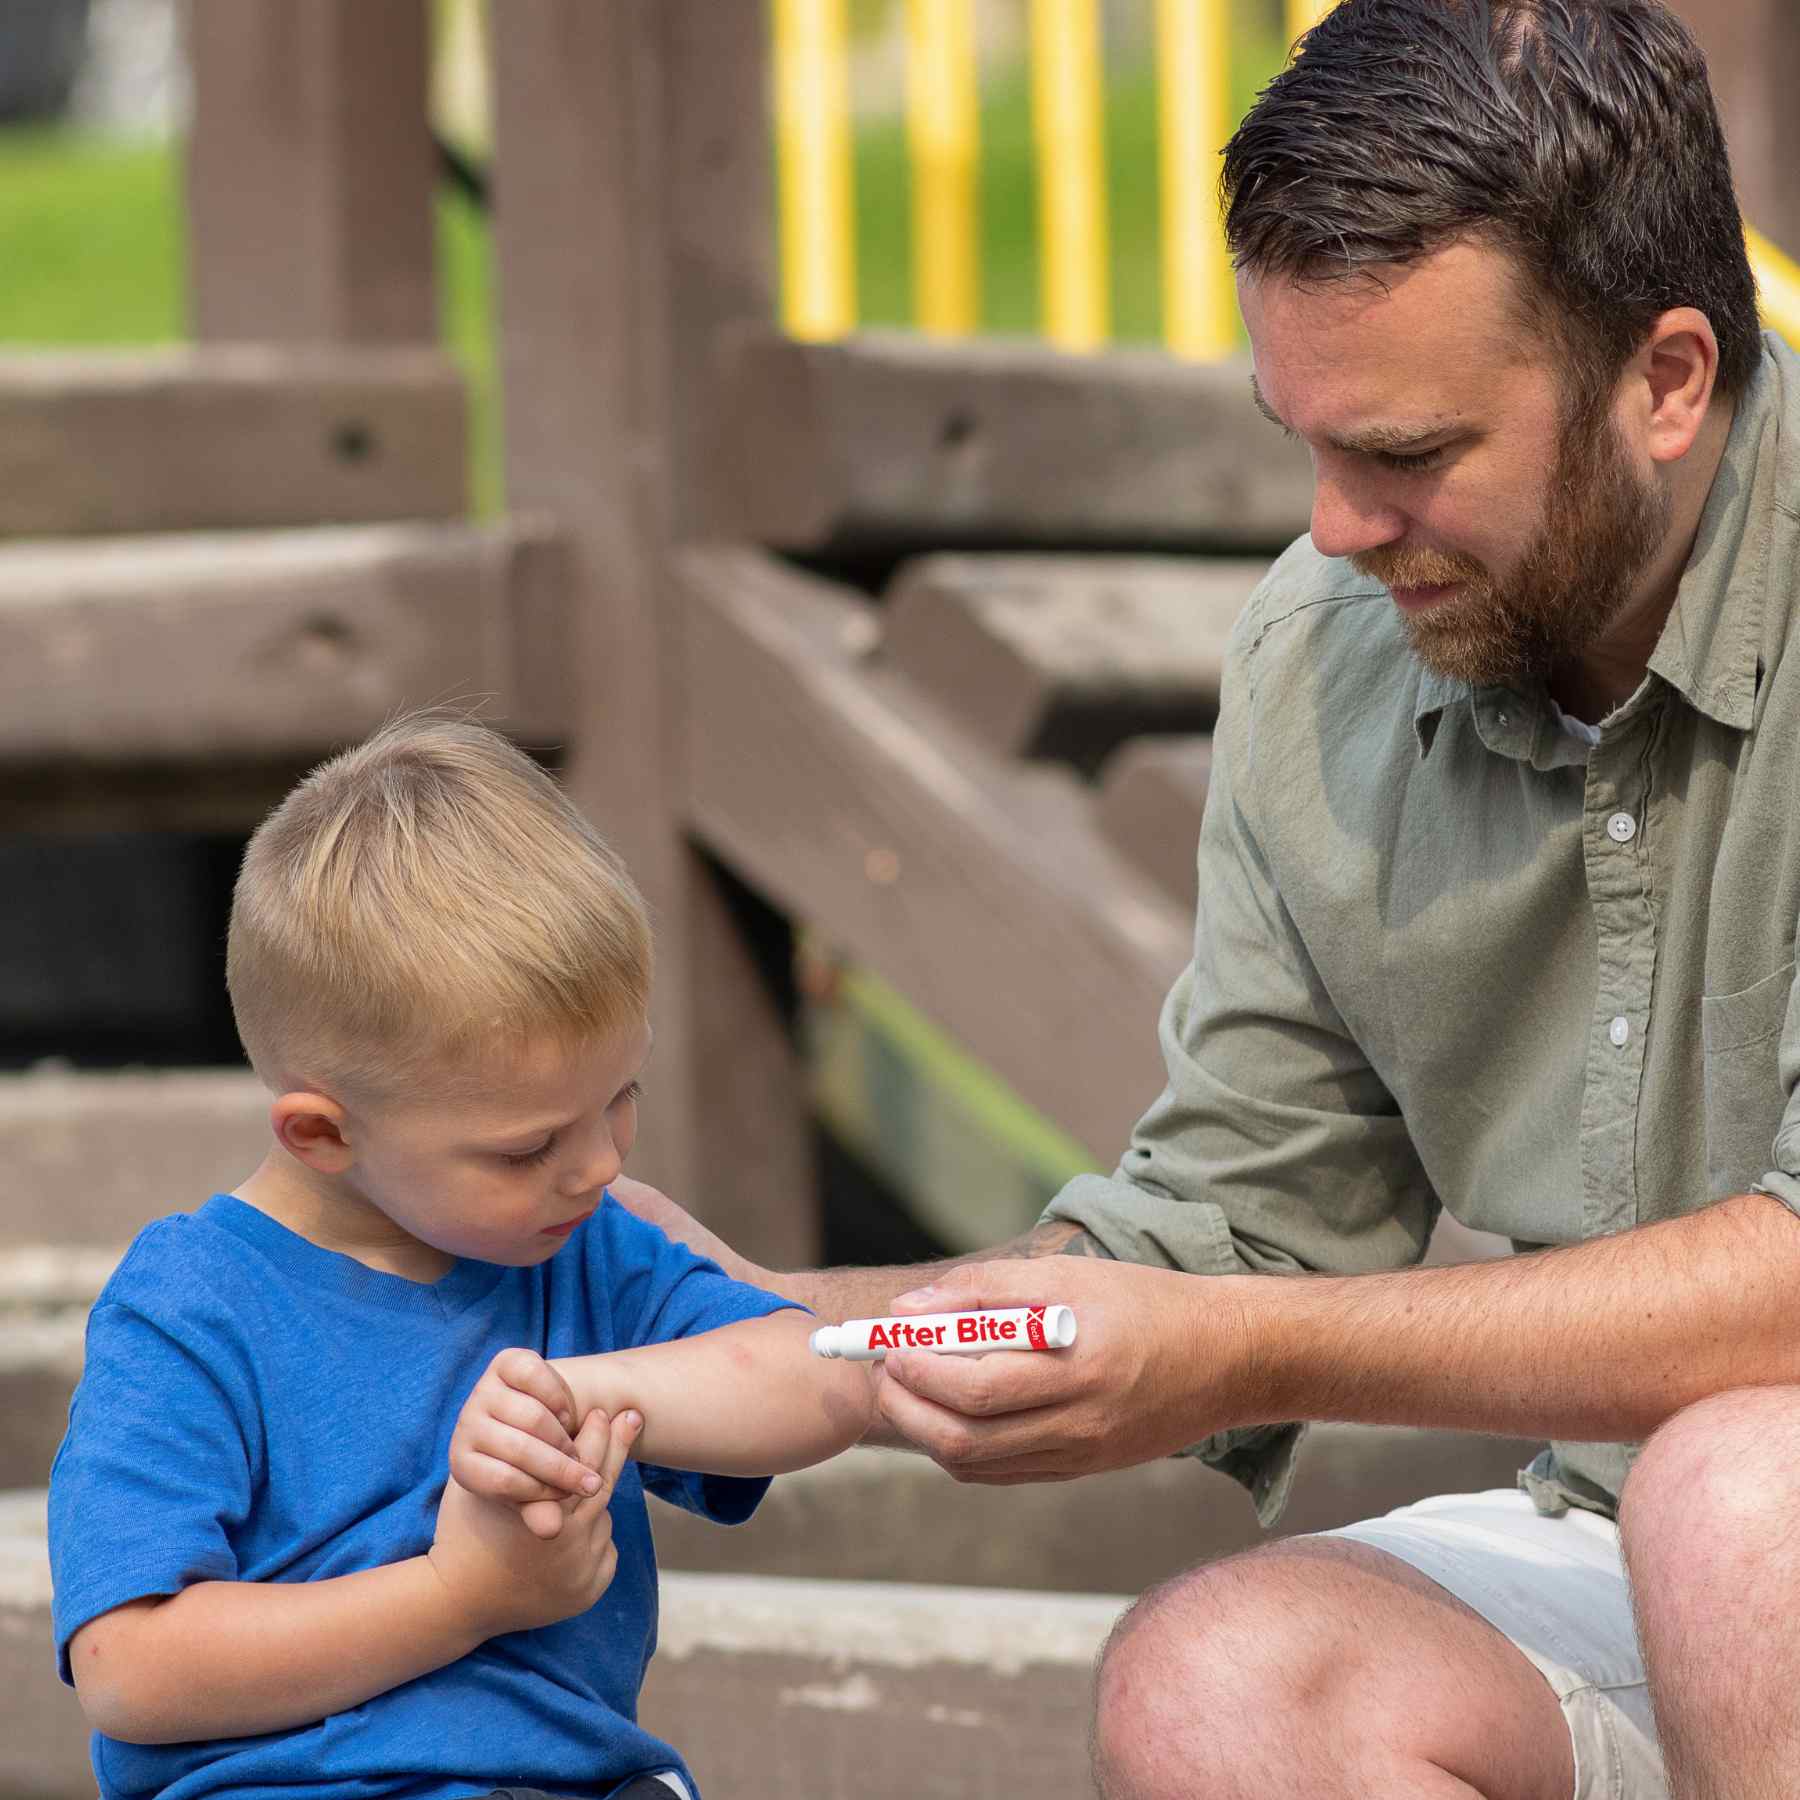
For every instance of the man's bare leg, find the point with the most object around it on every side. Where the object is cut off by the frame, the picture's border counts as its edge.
(1710, 1526)
(1322, 1668)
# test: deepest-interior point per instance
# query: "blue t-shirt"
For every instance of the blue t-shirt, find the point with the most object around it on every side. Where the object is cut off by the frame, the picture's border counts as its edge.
(256, 1408)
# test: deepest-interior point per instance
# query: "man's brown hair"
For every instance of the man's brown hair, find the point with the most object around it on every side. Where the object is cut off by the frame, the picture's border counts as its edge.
(1579, 136)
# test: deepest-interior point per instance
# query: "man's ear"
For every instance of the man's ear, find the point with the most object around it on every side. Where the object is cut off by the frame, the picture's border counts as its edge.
(1679, 363)
(310, 1127)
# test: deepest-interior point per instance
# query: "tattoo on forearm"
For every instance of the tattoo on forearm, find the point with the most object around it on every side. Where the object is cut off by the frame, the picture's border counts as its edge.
(1081, 1244)
(1058, 1238)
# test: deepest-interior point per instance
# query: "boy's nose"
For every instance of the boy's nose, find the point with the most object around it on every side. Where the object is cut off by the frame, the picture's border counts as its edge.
(600, 1168)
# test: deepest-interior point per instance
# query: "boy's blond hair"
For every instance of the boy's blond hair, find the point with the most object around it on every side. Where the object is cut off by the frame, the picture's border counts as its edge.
(421, 902)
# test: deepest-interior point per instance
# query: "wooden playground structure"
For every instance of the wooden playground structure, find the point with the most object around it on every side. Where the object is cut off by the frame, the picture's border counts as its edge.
(905, 641)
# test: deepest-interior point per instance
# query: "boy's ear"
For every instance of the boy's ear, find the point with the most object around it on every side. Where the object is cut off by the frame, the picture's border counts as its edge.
(311, 1127)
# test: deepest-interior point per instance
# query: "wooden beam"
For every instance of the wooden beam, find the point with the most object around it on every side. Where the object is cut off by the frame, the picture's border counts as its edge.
(1152, 794)
(310, 172)
(631, 219)
(177, 440)
(1065, 657)
(92, 1159)
(889, 443)
(978, 887)
(273, 647)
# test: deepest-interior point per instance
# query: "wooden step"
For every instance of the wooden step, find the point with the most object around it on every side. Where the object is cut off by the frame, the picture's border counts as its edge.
(1152, 794)
(977, 886)
(888, 442)
(255, 654)
(1065, 657)
(227, 437)
(770, 1687)
(91, 1158)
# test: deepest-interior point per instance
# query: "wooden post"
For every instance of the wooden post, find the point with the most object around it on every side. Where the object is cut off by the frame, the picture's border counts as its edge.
(1753, 51)
(632, 218)
(310, 172)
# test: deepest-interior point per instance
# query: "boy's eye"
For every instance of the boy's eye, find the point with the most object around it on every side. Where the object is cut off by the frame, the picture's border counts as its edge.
(634, 1091)
(525, 1158)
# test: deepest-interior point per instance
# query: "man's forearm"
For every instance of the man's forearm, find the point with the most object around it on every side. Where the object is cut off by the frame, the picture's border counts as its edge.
(1597, 1341)
(236, 1658)
(839, 1294)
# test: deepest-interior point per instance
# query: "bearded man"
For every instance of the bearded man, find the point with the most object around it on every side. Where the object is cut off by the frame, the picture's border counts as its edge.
(1499, 890)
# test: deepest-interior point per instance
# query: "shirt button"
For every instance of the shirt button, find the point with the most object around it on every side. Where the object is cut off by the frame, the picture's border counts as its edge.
(1621, 828)
(1619, 1031)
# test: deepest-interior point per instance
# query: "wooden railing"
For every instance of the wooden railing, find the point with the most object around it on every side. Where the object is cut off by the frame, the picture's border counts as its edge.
(674, 438)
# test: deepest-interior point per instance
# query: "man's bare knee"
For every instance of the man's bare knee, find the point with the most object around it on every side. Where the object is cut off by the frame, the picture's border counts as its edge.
(1713, 1489)
(1327, 1664)
(1195, 1658)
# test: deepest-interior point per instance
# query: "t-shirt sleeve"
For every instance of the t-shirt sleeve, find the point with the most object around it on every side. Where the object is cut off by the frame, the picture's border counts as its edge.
(661, 1291)
(151, 1478)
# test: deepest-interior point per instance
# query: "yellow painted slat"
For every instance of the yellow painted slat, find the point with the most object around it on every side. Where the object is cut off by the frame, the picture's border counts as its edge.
(1778, 285)
(1193, 68)
(943, 112)
(811, 65)
(1066, 82)
(1303, 15)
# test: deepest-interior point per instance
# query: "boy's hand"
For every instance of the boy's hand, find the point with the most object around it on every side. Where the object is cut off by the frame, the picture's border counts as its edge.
(502, 1578)
(513, 1440)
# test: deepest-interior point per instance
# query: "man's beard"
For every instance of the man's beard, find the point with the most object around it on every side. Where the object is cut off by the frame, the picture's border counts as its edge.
(1602, 525)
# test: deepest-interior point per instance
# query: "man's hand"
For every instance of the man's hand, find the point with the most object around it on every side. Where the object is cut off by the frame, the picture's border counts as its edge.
(1160, 1361)
(513, 1441)
(500, 1577)
(657, 1209)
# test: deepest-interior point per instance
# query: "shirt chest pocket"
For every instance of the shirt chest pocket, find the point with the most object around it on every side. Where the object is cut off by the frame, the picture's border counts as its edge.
(1741, 1039)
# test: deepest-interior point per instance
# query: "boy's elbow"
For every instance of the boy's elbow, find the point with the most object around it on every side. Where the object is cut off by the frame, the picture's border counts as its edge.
(111, 1681)
(110, 1708)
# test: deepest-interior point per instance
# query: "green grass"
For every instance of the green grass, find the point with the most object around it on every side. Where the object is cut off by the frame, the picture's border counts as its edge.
(92, 247)
(90, 241)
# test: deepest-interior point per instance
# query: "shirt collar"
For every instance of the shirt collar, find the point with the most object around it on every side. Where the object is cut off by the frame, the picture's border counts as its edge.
(1707, 650)
(1436, 693)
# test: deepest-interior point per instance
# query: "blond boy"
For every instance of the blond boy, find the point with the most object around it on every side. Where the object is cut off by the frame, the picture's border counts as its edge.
(263, 1580)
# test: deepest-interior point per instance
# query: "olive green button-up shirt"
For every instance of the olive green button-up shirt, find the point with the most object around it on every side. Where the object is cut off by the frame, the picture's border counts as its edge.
(1449, 956)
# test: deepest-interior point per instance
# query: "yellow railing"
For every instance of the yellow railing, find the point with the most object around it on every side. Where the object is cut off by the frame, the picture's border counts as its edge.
(817, 221)
(943, 135)
(812, 152)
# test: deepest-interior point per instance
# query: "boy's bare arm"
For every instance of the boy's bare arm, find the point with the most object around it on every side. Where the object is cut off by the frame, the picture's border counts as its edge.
(233, 1658)
(746, 1399)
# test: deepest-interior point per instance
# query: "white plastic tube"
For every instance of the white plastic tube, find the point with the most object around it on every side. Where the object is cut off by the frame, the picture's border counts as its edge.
(949, 1334)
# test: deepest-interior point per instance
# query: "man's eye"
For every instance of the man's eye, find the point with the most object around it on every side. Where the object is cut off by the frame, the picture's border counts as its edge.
(526, 1158)
(1425, 459)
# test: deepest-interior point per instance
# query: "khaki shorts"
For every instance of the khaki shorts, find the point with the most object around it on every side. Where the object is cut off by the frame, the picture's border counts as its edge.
(1556, 1588)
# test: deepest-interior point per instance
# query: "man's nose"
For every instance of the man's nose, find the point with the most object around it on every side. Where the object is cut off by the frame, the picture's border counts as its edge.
(1347, 519)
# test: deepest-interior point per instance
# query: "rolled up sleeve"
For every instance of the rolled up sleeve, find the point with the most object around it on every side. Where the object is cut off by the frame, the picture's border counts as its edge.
(1274, 1148)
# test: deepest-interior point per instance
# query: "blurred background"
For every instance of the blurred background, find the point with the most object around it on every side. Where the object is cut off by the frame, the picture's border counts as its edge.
(113, 955)
(953, 168)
